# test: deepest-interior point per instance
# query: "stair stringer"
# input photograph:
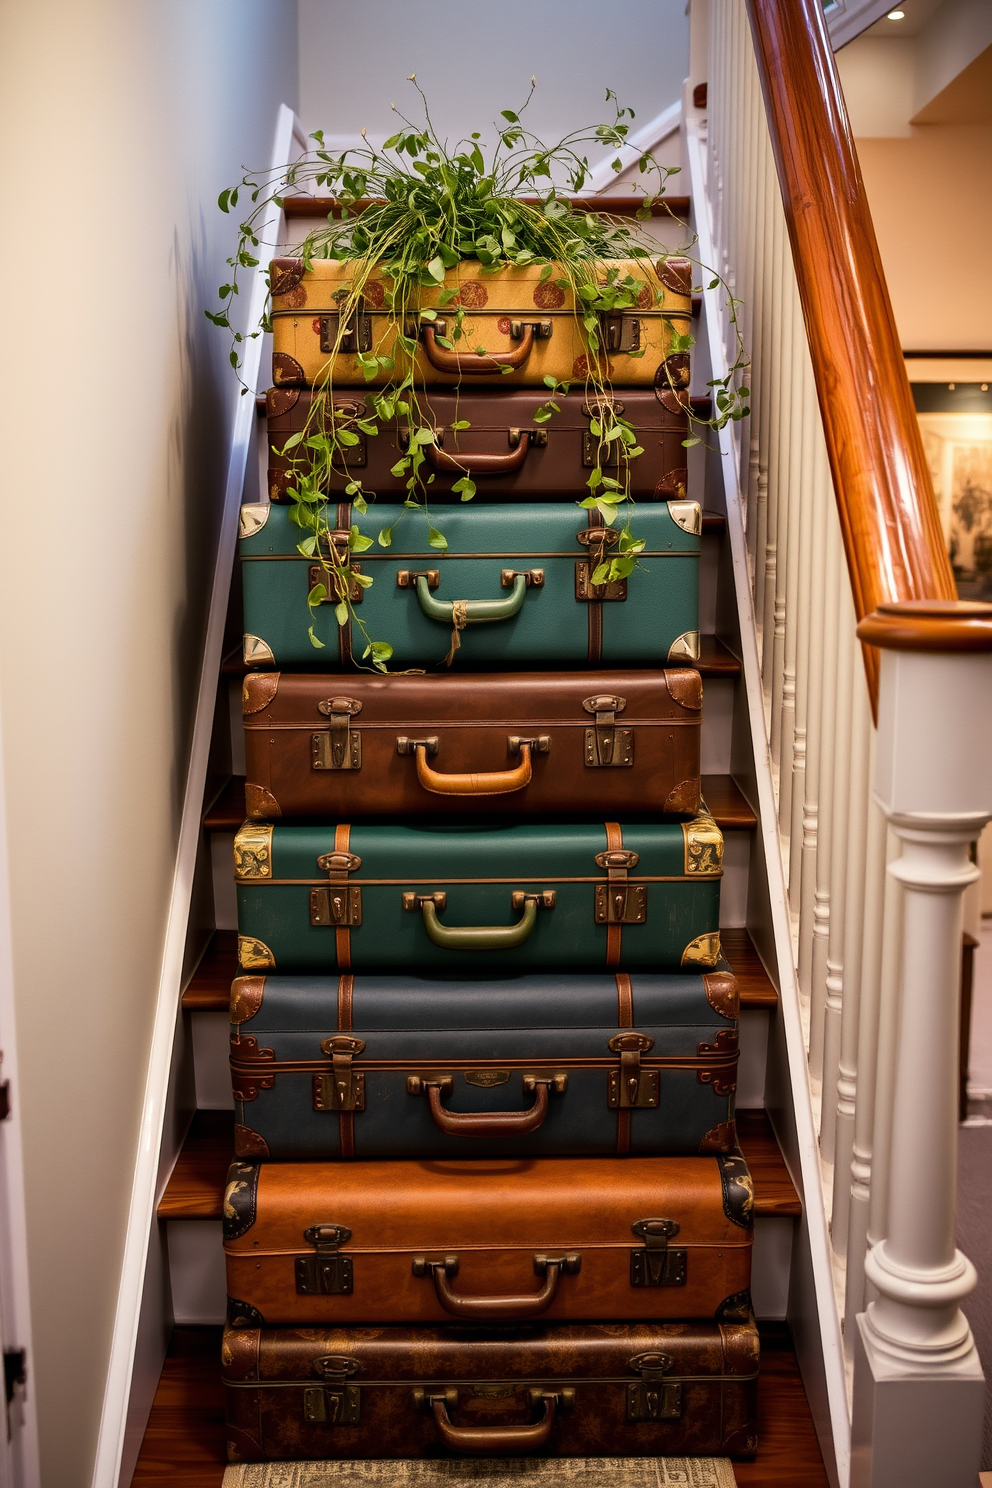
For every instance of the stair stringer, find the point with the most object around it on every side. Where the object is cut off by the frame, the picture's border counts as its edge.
(813, 1311)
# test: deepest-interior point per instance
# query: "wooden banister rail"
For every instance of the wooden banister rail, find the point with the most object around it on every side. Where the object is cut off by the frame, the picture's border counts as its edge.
(888, 512)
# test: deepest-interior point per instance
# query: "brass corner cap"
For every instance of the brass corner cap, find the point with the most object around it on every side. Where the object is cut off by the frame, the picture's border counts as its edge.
(929, 625)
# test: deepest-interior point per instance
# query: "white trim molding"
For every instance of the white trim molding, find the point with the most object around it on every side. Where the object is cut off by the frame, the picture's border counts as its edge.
(648, 137)
(846, 19)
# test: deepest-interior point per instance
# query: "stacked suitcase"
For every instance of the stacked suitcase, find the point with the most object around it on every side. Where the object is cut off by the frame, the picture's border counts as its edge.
(486, 1197)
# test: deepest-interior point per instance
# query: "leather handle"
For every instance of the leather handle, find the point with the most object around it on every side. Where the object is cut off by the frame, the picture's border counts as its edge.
(478, 462)
(491, 783)
(471, 363)
(506, 1308)
(489, 1123)
(485, 1440)
(474, 611)
(480, 937)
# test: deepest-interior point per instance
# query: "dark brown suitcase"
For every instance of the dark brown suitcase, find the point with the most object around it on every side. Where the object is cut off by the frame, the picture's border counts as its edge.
(574, 1390)
(486, 1241)
(504, 451)
(529, 742)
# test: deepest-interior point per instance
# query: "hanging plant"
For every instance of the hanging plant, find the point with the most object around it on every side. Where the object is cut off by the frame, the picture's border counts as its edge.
(420, 225)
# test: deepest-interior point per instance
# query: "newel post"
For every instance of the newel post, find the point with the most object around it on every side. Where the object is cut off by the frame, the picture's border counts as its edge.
(918, 1385)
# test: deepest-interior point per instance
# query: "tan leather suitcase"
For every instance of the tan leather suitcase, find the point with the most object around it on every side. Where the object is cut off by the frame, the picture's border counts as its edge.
(528, 742)
(513, 319)
(571, 1390)
(486, 1241)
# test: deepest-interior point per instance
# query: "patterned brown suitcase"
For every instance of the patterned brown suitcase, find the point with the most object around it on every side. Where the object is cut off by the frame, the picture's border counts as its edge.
(488, 1240)
(574, 1390)
(531, 742)
(503, 450)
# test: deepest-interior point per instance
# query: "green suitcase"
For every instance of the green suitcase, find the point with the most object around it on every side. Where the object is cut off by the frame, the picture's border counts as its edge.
(522, 897)
(515, 581)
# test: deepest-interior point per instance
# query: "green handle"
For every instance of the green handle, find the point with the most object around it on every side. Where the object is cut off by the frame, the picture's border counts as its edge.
(479, 937)
(476, 610)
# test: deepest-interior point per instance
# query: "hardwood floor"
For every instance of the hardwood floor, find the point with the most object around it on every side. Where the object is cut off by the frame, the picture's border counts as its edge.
(184, 1440)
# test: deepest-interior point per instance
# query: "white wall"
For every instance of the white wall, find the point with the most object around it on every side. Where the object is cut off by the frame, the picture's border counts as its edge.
(119, 123)
(474, 59)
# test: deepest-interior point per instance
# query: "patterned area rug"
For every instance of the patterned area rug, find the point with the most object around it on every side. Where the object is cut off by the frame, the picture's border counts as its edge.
(505, 1472)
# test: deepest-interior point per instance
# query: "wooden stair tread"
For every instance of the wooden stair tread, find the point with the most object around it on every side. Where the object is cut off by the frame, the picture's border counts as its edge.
(196, 1188)
(208, 988)
(184, 1441)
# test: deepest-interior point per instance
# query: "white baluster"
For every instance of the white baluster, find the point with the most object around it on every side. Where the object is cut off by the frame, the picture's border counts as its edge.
(825, 793)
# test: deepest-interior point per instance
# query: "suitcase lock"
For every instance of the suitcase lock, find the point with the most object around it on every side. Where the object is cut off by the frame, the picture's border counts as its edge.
(343, 1089)
(650, 1398)
(658, 1264)
(337, 747)
(356, 333)
(617, 901)
(630, 1087)
(597, 540)
(335, 1403)
(621, 332)
(326, 1272)
(339, 905)
(607, 745)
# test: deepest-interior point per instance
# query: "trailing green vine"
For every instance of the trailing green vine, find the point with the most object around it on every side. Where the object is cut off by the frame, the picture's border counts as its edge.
(412, 211)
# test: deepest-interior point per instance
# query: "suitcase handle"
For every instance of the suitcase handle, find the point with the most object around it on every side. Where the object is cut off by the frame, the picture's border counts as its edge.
(470, 363)
(473, 611)
(485, 1440)
(480, 937)
(478, 462)
(489, 783)
(507, 1309)
(490, 1123)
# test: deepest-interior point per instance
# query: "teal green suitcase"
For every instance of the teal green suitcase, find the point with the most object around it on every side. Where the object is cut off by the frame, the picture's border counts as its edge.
(513, 585)
(522, 897)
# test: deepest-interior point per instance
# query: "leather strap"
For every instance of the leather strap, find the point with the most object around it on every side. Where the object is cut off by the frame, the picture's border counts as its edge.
(346, 1119)
(342, 933)
(344, 631)
(595, 606)
(614, 842)
(625, 1019)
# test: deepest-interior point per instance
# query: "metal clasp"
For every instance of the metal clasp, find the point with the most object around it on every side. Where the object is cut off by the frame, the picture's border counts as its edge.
(326, 1272)
(337, 747)
(339, 905)
(607, 745)
(356, 334)
(335, 1403)
(343, 1089)
(597, 540)
(617, 902)
(650, 1398)
(658, 1264)
(621, 332)
(630, 1087)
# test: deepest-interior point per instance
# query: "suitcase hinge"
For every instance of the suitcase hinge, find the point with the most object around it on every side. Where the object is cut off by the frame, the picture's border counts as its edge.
(650, 1398)
(597, 540)
(338, 905)
(630, 1087)
(607, 745)
(617, 902)
(621, 332)
(356, 333)
(337, 747)
(326, 1272)
(658, 1264)
(343, 1088)
(335, 1403)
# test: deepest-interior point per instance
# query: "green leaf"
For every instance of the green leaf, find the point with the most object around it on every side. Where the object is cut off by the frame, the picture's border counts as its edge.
(317, 595)
(314, 641)
(466, 488)
(688, 443)
(436, 539)
(307, 547)
(357, 543)
(461, 424)
(341, 613)
(224, 201)
(436, 269)
(385, 537)
(509, 114)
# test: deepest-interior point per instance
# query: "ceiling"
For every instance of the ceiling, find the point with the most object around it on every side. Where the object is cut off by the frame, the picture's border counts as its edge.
(918, 12)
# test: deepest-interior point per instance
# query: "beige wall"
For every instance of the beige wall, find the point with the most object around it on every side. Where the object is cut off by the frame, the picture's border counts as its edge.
(119, 123)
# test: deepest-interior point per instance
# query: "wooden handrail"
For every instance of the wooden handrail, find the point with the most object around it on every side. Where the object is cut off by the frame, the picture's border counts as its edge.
(617, 206)
(888, 512)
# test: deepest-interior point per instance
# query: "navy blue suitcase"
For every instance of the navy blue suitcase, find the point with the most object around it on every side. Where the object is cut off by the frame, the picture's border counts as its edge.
(536, 1066)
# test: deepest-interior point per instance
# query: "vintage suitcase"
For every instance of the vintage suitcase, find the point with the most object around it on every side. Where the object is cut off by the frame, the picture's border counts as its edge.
(573, 1390)
(522, 897)
(558, 1065)
(504, 451)
(487, 1241)
(514, 585)
(515, 328)
(532, 742)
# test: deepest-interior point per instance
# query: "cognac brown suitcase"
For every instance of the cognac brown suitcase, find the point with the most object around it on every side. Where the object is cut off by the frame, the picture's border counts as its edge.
(529, 742)
(487, 1241)
(503, 450)
(573, 1390)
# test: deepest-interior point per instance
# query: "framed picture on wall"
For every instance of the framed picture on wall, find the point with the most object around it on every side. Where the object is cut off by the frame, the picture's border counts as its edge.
(956, 423)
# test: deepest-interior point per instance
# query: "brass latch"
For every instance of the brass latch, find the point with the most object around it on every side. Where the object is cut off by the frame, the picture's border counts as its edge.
(339, 905)
(658, 1264)
(621, 332)
(630, 1087)
(407, 578)
(343, 1088)
(597, 540)
(337, 747)
(356, 333)
(337, 543)
(335, 1403)
(541, 328)
(617, 902)
(650, 1398)
(326, 1272)
(607, 745)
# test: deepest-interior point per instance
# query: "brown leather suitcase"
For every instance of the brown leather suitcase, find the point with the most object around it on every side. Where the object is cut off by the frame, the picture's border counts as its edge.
(573, 1390)
(486, 1241)
(503, 450)
(529, 742)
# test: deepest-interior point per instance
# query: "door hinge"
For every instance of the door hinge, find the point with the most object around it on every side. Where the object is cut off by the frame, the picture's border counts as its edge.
(617, 901)
(335, 1403)
(658, 1264)
(337, 747)
(15, 1371)
(338, 905)
(326, 1272)
(607, 745)
(630, 1087)
(650, 1398)
(342, 1088)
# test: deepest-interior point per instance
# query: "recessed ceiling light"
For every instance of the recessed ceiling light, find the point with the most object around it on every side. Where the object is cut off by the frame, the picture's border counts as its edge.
(896, 15)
